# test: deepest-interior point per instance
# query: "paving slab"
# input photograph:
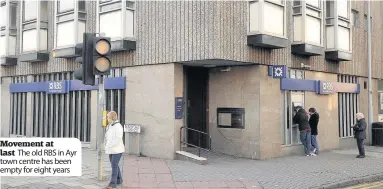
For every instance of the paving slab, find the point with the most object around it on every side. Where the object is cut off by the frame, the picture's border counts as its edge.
(337, 166)
(327, 169)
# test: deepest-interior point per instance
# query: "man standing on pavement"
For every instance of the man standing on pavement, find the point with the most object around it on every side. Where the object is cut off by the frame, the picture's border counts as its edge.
(313, 121)
(302, 120)
(360, 133)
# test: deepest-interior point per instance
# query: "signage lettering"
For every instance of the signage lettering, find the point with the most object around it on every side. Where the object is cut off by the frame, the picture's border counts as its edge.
(327, 87)
(57, 87)
(132, 128)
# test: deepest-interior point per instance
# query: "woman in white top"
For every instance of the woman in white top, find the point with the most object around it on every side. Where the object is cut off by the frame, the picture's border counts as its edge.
(114, 147)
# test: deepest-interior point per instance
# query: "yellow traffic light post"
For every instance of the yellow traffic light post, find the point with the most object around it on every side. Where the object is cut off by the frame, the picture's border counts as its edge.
(101, 66)
(94, 56)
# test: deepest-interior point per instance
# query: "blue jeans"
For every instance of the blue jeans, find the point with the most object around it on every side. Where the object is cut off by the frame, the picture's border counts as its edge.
(314, 142)
(116, 173)
(306, 141)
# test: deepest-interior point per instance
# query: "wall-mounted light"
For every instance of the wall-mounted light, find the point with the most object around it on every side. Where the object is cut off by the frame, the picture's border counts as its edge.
(304, 66)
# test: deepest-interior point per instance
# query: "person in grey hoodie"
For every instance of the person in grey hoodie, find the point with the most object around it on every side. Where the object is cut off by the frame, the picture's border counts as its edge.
(302, 120)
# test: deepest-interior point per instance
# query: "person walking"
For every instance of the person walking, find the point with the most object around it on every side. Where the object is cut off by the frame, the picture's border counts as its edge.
(302, 120)
(360, 134)
(313, 122)
(114, 147)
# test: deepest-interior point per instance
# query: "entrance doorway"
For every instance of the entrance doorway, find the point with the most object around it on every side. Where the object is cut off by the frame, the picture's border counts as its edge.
(196, 87)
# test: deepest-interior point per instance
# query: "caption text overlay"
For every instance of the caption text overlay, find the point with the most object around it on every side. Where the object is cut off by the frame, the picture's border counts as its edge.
(40, 157)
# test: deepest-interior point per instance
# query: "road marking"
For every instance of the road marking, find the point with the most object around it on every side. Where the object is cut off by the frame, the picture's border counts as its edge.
(367, 186)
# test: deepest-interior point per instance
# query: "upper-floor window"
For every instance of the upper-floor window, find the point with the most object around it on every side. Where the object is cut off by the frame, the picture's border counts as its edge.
(343, 8)
(3, 14)
(268, 17)
(338, 32)
(34, 26)
(308, 19)
(117, 18)
(30, 13)
(64, 6)
(8, 28)
(70, 22)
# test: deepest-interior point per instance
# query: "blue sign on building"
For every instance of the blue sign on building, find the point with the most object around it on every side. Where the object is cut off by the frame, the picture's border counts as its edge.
(57, 87)
(326, 87)
(279, 71)
(318, 86)
(179, 109)
(65, 86)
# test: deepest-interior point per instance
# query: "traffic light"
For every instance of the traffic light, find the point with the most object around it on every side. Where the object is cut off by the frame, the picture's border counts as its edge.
(85, 53)
(101, 56)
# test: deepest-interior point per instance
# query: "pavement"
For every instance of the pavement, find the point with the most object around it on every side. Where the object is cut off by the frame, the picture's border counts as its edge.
(333, 169)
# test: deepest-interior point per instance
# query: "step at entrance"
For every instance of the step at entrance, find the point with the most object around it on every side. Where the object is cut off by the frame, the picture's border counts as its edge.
(183, 155)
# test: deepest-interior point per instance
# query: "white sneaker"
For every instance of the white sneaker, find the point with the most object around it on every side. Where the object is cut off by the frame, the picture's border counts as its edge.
(313, 154)
(315, 151)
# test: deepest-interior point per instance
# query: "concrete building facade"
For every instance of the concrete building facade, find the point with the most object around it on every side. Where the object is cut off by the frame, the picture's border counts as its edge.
(237, 67)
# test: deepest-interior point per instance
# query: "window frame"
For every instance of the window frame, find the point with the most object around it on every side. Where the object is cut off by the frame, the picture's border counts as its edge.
(336, 22)
(74, 16)
(7, 31)
(23, 12)
(123, 8)
(57, 9)
(261, 16)
(303, 6)
(38, 24)
(348, 11)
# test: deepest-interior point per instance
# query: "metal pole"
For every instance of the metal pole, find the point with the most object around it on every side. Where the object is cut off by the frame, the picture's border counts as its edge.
(369, 72)
(99, 128)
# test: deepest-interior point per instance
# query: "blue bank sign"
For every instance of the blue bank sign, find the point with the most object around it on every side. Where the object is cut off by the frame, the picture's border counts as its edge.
(279, 71)
(57, 87)
(325, 87)
(65, 86)
(318, 86)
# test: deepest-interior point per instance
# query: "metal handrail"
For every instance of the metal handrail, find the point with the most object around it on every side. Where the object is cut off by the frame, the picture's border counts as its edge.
(183, 140)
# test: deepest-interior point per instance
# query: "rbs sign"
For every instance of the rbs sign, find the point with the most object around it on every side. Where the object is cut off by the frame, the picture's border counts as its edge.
(58, 87)
(326, 87)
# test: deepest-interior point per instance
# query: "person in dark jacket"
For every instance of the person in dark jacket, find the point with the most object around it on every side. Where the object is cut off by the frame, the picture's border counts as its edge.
(313, 121)
(302, 120)
(360, 133)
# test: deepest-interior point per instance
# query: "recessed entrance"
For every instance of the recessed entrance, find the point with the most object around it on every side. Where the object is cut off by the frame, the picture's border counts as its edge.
(196, 87)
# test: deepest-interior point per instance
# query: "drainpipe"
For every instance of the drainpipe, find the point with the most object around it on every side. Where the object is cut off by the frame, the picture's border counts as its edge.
(370, 117)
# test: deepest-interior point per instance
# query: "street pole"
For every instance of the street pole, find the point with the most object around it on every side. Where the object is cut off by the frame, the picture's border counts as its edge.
(369, 71)
(99, 128)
